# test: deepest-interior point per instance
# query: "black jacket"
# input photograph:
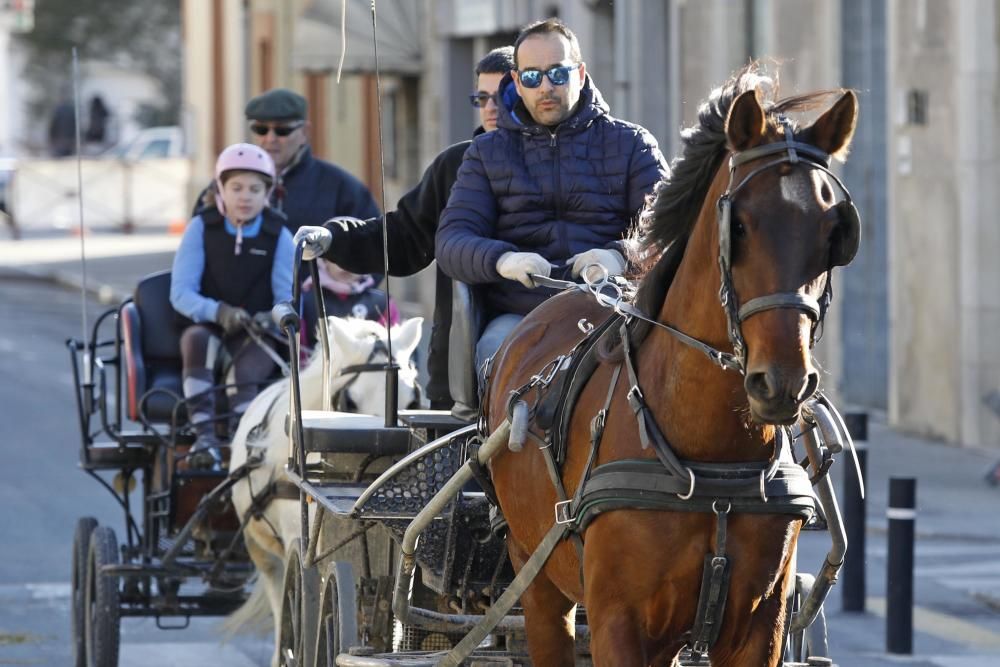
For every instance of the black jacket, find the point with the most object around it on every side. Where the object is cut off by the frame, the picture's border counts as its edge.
(412, 227)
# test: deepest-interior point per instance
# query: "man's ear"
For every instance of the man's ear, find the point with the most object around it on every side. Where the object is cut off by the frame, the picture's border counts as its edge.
(517, 83)
(583, 71)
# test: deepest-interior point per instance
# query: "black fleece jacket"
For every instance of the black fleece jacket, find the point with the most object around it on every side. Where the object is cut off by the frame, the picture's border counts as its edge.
(411, 228)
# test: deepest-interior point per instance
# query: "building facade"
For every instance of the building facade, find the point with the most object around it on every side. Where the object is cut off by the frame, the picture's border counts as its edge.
(913, 328)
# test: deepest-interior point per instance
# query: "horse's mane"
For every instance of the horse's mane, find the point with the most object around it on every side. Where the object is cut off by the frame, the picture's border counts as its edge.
(671, 211)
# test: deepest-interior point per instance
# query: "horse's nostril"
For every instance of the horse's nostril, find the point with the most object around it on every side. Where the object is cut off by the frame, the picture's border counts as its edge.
(757, 386)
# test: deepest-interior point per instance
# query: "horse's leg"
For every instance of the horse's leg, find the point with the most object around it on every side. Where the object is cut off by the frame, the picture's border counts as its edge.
(260, 542)
(615, 640)
(549, 618)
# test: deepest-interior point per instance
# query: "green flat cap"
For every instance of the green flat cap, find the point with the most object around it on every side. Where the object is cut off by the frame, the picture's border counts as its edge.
(277, 104)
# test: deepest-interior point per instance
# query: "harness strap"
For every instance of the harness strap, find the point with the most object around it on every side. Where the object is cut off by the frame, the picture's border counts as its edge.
(714, 589)
(647, 424)
(506, 601)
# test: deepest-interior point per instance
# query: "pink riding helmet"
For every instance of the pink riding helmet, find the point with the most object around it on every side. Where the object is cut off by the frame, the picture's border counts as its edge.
(243, 157)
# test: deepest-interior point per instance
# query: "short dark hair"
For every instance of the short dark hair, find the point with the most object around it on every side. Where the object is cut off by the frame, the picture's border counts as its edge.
(498, 61)
(548, 27)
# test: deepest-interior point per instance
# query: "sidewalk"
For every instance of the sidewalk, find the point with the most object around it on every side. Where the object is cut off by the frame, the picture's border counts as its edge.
(115, 261)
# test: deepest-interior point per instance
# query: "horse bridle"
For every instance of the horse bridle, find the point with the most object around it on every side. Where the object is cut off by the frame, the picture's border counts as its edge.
(342, 399)
(610, 291)
(792, 152)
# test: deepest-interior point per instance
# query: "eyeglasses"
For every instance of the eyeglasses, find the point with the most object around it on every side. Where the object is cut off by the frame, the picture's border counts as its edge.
(558, 75)
(280, 130)
(480, 100)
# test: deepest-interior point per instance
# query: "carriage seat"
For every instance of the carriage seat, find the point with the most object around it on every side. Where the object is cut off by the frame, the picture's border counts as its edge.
(151, 338)
(468, 318)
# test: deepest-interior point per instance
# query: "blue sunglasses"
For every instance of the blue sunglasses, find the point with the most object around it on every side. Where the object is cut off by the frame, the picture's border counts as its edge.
(558, 75)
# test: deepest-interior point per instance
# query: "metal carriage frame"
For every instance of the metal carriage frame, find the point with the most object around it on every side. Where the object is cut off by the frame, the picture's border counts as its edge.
(186, 530)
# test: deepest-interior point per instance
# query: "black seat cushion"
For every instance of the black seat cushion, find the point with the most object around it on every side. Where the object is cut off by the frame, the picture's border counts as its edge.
(467, 322)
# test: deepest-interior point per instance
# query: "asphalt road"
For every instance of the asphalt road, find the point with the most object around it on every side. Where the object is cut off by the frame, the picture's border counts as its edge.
(42, 494)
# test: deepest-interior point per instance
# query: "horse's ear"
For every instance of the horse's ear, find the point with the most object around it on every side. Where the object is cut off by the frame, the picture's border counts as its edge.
(832, 132)
(746, 124)
(406, 336)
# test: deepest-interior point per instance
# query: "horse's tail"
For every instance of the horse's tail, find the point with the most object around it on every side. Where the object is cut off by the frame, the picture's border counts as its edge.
(253, 617)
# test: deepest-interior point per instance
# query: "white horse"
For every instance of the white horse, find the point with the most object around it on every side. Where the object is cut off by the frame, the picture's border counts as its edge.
(352, 342)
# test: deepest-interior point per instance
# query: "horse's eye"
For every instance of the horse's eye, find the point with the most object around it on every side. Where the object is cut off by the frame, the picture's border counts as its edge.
(738, 231)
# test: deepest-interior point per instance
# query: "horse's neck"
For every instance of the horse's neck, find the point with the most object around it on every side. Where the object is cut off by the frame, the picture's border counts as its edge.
(703, 410)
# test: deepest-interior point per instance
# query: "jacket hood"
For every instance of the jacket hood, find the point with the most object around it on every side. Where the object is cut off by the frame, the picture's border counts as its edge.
(513, 115)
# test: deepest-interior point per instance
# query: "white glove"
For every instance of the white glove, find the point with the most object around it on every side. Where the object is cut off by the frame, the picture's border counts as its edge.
(520, 265)
(314, 241)
(591, 262)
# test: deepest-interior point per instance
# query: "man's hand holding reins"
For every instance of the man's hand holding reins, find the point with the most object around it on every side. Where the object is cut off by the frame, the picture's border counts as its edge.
(593, 263)
(520, 266)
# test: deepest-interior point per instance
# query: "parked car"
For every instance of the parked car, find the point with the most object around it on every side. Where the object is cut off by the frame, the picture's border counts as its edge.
(151, 142)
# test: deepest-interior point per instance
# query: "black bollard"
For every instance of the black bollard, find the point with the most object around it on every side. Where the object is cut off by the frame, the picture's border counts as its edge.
(902, 514)
(855, 517)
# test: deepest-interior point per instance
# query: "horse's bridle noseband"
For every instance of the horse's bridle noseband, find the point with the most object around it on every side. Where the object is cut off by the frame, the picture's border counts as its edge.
(792, 152)
(342, 399)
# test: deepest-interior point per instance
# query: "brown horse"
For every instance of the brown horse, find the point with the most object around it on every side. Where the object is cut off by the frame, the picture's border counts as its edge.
(642, 569)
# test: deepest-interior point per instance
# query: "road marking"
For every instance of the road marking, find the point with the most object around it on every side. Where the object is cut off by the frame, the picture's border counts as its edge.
(944, 626)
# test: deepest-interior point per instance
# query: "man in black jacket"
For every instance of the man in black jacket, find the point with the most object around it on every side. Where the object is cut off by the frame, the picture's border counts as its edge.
(356, 245)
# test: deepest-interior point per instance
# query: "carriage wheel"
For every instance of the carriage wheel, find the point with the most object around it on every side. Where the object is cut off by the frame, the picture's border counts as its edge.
(338, 616)
(299, 608)
(81, 543)
(101, 613)
(811, 642)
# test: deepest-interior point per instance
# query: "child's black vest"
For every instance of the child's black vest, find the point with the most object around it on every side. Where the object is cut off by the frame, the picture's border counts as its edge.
(242, 280)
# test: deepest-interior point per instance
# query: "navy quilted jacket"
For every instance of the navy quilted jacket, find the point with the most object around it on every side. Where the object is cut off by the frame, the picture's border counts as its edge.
(556, 192)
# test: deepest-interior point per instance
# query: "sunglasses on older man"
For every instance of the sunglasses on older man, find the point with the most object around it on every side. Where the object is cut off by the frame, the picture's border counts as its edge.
(261, 129)
(558, 75)
(480, 100)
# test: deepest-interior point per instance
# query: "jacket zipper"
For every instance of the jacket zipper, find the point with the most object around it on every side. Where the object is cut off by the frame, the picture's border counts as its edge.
(557, 168)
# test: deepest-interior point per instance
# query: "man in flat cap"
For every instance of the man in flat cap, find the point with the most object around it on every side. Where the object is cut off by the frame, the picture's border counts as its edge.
(310, 191)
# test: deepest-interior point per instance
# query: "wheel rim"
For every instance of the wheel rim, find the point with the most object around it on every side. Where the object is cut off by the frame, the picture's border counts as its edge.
(290, 648)
(328, 645)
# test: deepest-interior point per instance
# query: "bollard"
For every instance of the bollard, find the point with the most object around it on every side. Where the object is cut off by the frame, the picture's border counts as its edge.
(855, 518)
(902, 514)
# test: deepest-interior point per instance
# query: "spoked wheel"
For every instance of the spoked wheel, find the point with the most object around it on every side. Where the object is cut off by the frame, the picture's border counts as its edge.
(299, 606)
(338, 615)
(811, 642)
(81, 544)
(101, 613)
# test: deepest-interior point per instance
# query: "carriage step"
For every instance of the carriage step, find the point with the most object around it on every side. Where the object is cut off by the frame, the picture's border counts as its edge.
(346, 433)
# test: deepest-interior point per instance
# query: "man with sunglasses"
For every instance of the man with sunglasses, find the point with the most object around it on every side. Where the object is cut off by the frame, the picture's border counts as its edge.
(555, 189)
(356, 245)
(309, 190)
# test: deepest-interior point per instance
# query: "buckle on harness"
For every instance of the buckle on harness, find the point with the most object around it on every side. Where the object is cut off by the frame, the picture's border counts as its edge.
(562, 512)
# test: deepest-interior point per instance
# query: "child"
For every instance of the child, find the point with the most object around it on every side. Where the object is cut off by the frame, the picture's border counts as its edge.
(234, 263)
(345, 294)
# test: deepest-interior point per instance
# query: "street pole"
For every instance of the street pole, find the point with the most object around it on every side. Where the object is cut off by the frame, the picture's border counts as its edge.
(855, 517)
(902, 514)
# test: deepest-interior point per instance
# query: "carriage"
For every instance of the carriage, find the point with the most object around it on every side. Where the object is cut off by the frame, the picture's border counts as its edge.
(401, 557)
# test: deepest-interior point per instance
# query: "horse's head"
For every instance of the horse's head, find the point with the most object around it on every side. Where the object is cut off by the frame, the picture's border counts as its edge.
(784, 222)
(362, 348)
